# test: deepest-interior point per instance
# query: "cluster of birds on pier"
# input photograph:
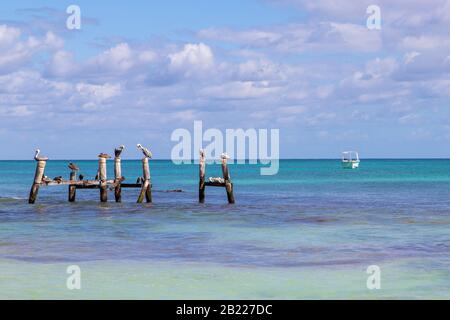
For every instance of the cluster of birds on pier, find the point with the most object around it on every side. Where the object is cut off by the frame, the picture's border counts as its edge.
(73, 167)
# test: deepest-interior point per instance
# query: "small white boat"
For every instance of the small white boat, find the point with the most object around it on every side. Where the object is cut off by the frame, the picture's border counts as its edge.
(350, 160)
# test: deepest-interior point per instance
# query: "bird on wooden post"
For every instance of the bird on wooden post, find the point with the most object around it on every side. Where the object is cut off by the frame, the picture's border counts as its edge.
(39, 158)
(72, 166)
(224, 156)
(104, 155)
(147, 153)
(118, 151)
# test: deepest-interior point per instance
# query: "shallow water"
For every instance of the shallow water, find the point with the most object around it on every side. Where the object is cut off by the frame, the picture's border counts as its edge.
(309, 232)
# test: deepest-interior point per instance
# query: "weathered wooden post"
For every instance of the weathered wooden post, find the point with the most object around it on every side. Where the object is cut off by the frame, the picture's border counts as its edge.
(39, 174)
(118, 174)
(146, 189)
(72, 188)
(102, 177)
(226, 177)
(201, 185)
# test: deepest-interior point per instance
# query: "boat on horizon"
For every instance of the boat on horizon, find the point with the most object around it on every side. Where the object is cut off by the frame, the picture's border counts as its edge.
(350, 160)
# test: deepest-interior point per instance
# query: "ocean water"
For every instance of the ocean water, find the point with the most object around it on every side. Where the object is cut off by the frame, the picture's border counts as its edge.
(310, 231)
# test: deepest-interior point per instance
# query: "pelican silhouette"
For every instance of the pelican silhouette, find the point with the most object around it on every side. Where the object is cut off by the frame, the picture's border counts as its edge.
(73, 167)
(118, 150)
(39, 158)
(147, 153)
(104, 155)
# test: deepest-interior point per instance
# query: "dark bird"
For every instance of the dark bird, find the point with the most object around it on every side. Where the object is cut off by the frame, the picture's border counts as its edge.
(39, 158)
(46, 179)
(118, 151)
(139, 180)
(73, 167)
(58, 179)
(97, 176)
(80, 177)
(145, 151)
(104, 155)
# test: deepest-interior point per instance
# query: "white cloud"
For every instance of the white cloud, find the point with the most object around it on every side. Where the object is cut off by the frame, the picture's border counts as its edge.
(193, 59)
(15, 52)
(98, 93)
(239, 90)
(8, 35)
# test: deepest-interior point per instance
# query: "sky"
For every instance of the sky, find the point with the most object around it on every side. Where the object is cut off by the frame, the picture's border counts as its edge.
(138, 70)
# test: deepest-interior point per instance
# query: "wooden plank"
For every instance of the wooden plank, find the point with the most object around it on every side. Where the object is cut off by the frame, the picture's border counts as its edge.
(38, 175)
(118, 179)
(201, 184)
(75, 183)
(87, 187)
(102, 178)
(214, 184)
(72, 188)
(226, 177)
(146, 186)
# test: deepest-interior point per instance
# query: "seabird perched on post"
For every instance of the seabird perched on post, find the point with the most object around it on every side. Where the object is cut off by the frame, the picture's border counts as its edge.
(80, 177)
(118, 151)
(145, 151)
(104, 155)
(39, 158)
(224, 156)
(72, 166)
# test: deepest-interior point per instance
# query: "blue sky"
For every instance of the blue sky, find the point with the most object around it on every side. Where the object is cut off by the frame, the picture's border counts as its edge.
(137, 70)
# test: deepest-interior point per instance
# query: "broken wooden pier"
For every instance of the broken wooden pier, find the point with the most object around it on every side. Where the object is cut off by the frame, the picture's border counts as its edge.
(224, 182)
(100, 182)
(103, 184)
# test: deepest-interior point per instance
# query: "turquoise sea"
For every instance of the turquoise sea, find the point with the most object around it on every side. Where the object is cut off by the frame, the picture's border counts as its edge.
(310, 231)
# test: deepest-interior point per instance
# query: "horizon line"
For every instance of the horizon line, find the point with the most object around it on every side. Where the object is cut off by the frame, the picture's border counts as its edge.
(165, 159)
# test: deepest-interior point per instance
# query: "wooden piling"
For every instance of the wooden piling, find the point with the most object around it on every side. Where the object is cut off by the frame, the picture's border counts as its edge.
(226, 177)
(201, 185)
(102, 178)
(72, 188)
(118, 179)
(38, 175)
(146, 190)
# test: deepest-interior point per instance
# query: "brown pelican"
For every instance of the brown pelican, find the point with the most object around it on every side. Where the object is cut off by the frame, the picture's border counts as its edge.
(80, 177)
(118, 150)
(73, 167)
(39, 158)
(145, 151)
(104, 155)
